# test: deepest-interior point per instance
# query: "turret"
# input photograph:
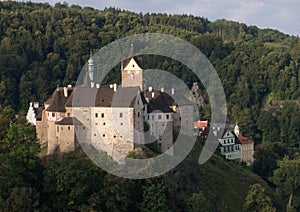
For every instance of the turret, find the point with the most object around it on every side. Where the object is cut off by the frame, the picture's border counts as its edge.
(236, 129)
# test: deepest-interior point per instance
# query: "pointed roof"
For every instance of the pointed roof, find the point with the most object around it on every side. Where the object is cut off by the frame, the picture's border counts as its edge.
(138, 60)
(57, 101)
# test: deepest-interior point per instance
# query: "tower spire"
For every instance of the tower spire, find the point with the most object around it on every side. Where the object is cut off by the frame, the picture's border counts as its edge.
(131, 52)
(91, 67)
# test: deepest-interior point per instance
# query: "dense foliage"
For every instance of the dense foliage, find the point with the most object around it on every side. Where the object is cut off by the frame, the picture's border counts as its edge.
(42, 46)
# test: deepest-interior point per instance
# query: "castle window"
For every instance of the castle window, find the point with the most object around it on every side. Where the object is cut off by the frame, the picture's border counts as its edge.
(83, 127)
(96, 115)
(138, 114)
(121, 115)
(102, 115)
(167, 116)
(138, 102)
(159, 116)
(69, 128)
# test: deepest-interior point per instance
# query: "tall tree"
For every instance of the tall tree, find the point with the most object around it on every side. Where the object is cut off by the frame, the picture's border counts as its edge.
(257, 200)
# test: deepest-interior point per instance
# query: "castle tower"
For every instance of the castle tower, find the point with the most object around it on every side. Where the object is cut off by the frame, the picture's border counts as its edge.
(132, 73)
(91, 68)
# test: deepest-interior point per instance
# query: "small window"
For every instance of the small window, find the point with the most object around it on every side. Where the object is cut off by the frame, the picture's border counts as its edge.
(68, 114)
(61, 128)
(96, 123)
(103, 135)
(104, 123)
(57, 128)
(167, 116)
(152, 117)
(69, 127)
(121, 123)
(102, 115)
(159, 116)
(115, 136)
(53, 114)
(96, 115)
(95, 134)
(138, 114)
(121, 115)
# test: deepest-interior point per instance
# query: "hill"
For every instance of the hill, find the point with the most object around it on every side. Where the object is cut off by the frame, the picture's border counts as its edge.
(43, 46)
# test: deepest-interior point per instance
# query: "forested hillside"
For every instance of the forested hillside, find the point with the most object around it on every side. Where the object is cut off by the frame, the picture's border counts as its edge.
(42, 46)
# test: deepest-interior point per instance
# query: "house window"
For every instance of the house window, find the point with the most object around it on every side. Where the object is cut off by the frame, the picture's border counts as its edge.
(159, 116)
(96, 115)
(167, 116)
(121, 115)
(102, 115)
(69, 128)
(53, 114)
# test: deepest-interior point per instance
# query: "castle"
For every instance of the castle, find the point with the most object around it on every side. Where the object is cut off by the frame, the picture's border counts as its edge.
(111, 117)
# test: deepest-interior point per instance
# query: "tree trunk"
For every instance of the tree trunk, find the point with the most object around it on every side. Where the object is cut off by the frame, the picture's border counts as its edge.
(290, 200)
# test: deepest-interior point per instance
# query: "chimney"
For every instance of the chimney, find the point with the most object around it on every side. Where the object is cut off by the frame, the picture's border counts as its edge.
(173, 91)
(115, 87)
(152, 94)
(66, 92)
(150, 89)
(162, 90)
(97, 85)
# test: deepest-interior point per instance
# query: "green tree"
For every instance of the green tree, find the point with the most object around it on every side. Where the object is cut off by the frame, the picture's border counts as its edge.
(287, 180)
(198, 203)
(154, 195)
(265, 160)
(257, 200)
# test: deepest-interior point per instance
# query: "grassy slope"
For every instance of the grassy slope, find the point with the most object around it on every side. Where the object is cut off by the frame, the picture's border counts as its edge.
(225, 183)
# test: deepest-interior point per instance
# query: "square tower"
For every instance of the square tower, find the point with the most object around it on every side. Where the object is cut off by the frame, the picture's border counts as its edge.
(132, 73)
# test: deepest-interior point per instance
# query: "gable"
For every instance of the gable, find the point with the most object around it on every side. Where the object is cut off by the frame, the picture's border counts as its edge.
(132, 66)
(228, 134)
